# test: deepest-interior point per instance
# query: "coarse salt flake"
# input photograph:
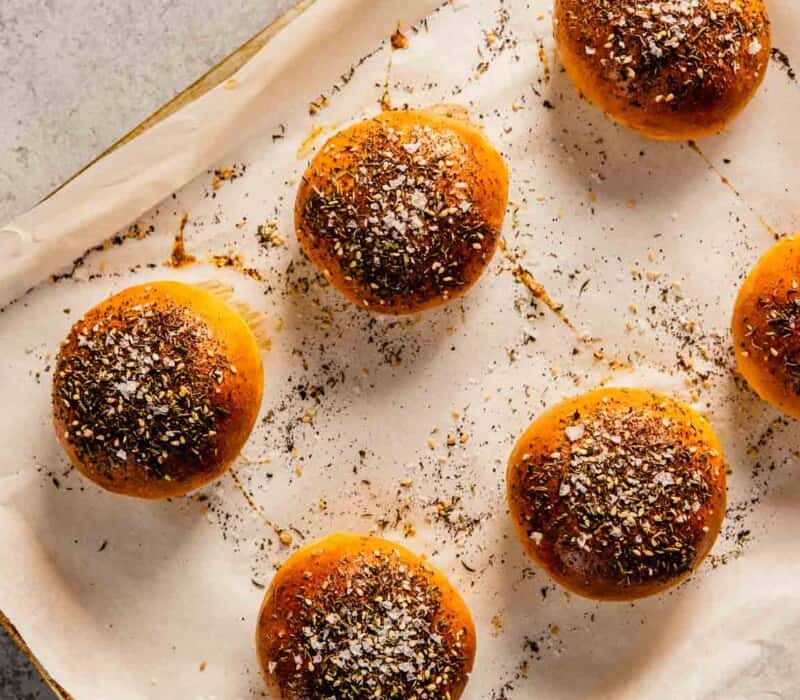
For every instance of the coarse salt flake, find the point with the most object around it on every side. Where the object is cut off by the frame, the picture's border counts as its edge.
(574, 432)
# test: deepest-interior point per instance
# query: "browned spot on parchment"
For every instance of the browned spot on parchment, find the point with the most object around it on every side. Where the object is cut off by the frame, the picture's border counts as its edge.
(725, 181)
(539, 292)
(179, 257)
(235, 261)
(536, 288)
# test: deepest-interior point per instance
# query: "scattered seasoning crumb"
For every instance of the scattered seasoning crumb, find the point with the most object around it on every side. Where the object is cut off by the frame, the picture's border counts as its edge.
(227, 174)
(468, 567)
(318, 104)
(783, 61)
(399, 40)
(497, 624)
(268, 235)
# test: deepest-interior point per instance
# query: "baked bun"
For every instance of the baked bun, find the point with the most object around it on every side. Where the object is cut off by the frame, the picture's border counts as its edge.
(670, 69)
(766, 327)
(403, 212)
(618, 494)
(357, 617)
(156, 390)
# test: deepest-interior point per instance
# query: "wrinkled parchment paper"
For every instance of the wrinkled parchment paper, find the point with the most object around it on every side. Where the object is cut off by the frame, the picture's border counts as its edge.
(402, 428)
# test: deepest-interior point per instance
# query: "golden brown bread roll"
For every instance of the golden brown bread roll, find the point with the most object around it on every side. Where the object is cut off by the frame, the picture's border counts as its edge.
(358, 617)
(670, 69)
(156, 390)
(766, 327)
(403, 212)
(618, 494)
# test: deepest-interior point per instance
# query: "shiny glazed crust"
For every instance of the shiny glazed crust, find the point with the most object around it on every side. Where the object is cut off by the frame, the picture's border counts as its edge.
(306, 576)
(583, 531)
(233, 395)
(672, 87)
(431, 189)
(765, 327)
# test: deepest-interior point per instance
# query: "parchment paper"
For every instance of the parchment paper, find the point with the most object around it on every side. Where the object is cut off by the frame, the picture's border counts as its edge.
(643, 244)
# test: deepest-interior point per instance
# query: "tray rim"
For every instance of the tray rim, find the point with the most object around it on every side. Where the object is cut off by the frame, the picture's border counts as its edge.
(205, 83)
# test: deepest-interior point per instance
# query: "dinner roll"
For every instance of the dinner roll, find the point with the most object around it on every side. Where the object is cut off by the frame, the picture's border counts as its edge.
(670, 69)
(157, 389)
(766, 327)
(357, 617)
(403, 212)
(619, 493)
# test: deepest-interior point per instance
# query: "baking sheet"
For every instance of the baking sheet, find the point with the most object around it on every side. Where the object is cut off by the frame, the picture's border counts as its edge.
(642, 243)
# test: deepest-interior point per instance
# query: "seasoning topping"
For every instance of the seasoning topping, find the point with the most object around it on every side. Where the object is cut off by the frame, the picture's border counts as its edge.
(138, 387)
(672, 51)
(397, 216)
(776, 336)
(625, 488)
(373, 628)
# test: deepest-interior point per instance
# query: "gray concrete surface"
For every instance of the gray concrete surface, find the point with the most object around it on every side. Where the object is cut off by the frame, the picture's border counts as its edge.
(75, 75)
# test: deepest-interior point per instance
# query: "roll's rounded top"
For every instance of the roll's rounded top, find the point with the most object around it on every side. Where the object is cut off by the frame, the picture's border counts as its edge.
(670, 68)
(156, 388)
(618, 493)
(403, 212)
(354, 617)
(766, 327)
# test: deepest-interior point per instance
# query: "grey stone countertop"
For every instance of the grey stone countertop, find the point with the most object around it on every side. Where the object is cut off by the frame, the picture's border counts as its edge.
(75, 75)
